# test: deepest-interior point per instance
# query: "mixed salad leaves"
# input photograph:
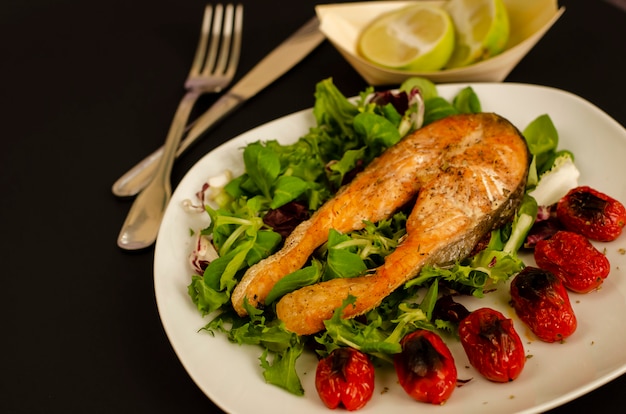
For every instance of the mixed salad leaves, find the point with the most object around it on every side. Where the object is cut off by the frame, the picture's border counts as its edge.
(284, 183)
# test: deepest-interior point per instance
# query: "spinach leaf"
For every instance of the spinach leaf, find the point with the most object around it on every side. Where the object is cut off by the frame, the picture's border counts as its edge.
(467, 102)
(542, 139)
(438, 108)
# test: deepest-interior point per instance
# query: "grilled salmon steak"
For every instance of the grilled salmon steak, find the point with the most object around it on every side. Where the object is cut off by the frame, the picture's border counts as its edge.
(466, 175)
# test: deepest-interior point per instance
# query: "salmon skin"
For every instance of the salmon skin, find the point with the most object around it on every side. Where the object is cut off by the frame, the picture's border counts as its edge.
(467, 174)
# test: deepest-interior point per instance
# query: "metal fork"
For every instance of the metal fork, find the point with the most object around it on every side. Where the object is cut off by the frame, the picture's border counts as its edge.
(212, 69)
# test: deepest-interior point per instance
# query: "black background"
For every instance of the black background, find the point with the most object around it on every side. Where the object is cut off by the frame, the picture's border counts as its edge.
(89, 88)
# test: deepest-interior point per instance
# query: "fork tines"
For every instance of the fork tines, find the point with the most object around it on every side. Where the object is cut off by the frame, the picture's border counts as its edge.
(222, 27)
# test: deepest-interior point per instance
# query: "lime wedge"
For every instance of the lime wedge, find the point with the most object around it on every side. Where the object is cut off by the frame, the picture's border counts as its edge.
(419, 37)
(482, 30)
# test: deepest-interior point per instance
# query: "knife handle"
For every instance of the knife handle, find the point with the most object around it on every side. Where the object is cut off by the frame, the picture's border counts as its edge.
(139, 176)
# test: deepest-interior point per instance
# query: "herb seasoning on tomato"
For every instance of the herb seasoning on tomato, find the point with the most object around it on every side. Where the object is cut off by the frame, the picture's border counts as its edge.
(425, 367)
(574, 260)
(542, 303)
(345, 377)
(492, 345)
(591, 213)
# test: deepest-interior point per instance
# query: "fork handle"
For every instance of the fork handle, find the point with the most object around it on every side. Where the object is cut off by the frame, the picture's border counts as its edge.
(142, 223)
(135, 179)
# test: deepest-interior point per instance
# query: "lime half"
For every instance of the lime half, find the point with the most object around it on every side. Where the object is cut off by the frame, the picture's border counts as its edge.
(418, 37)
(482, 30)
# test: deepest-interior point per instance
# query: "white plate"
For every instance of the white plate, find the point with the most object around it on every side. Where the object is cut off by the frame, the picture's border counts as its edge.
(230, 374)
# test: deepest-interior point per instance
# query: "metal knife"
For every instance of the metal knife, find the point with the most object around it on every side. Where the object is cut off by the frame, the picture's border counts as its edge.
(274, 65)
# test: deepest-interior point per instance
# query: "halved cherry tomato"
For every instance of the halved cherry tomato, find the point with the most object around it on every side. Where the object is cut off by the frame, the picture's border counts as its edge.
(591, 213)
(345, 377)
(425, 367)
(492, 345)
(574, 260)
(541, 302)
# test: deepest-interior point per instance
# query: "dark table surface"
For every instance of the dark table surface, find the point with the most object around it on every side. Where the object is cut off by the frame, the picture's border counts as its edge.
(87, 89)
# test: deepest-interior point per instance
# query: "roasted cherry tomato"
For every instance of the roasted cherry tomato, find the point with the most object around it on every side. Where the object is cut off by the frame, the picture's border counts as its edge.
(425, 367)
(345, 377)
(492, 345)
(574, 260)
(591, 213)
(541, 302)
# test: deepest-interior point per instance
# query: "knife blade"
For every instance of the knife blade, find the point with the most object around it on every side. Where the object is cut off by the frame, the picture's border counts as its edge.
(280, 60)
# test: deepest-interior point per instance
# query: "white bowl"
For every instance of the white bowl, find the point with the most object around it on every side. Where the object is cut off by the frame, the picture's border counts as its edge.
(342, 24)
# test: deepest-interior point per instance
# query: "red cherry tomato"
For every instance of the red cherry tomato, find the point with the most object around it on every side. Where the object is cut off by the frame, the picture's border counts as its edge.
(492, 345)
(591, 213)
(345, 377)
(425, 367)
(574, 260)
(541, 302)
